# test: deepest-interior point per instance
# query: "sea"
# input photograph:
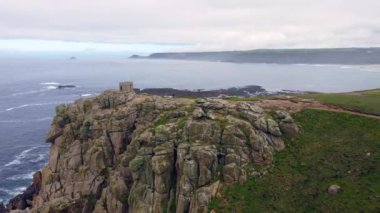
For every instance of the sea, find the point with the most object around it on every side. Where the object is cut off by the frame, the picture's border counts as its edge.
(29, 94)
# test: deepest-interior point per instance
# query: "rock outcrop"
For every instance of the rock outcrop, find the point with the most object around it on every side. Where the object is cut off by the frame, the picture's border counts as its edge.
(122, 152)
(24, 200)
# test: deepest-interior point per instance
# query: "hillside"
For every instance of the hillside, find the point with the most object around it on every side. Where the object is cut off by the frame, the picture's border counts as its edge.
(361, 101)
(332, 148)
(127, 152)
(281, 56)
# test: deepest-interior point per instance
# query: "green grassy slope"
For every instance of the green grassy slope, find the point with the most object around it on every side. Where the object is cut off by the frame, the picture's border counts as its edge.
(365, 101)
(333, 148)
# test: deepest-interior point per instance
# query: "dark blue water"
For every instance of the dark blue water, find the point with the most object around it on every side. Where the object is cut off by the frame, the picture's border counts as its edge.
(28, 95)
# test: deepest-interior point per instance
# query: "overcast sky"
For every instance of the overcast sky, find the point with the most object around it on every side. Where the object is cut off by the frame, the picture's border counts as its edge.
(192, 25)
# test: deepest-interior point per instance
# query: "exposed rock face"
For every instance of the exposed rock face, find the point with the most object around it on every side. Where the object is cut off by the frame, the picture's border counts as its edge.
(25, 199)
(121, 152)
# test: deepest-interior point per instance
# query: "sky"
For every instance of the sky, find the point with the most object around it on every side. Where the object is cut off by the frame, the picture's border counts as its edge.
(146, 26)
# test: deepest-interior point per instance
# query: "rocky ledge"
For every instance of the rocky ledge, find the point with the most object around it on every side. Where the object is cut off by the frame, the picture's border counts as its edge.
(123, 152)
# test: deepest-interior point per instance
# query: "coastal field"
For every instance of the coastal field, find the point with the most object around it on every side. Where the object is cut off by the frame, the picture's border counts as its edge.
(332, 148)
(363, 101)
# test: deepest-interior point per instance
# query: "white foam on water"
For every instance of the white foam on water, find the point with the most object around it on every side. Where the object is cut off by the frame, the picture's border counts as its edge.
(27, 176)
(50, 83)
(12, 121)
(44, 119)
(40, 158)
(86, 95)
(25, 93)
(25, 121)
(18, 107)
(6, 191)
(12, 192)
(14, 162)
(17, 190)
(346, 67)
(28, 105)
(317, 65)
(21, 156)
(50, 87)
(47, 86)
(44, 89)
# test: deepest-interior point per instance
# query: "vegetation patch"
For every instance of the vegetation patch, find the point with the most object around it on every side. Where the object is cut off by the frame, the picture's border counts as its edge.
(85, 130)
(253, 98)
(182, 122)
(332, 148)
(87, 106)
(364, 101)
(91, 201)
(162, 120)
(124, 197)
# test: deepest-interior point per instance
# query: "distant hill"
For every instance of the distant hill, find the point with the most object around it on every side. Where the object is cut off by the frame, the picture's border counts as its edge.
(280, 56)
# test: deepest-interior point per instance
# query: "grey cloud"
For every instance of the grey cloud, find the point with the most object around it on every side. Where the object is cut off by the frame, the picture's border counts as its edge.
(209, 25)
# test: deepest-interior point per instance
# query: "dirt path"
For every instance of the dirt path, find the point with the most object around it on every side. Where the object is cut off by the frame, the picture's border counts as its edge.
(296, 106)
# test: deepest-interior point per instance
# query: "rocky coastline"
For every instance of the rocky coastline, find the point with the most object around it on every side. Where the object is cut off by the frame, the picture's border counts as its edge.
(246, 91)
(128, 152)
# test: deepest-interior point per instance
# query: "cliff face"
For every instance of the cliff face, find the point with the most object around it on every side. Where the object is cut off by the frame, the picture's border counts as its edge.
(122, 152)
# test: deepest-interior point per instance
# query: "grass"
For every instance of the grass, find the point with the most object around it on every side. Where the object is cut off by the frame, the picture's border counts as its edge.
(365, 101)
(332, 149)
(162, 120)
(253, 98)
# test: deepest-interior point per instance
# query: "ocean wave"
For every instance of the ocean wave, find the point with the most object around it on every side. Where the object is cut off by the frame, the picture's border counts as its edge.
(44, 119)
(21, 156)
(50, 87)
(26, 121)
(30, 92)
(50, 83)
(46, 87)
(27, 176)
(29, 105)
(40, 158)
(346, 67)
(86, 95)
(12, 121)
(27, 92)
(14, 191)
(7, 191)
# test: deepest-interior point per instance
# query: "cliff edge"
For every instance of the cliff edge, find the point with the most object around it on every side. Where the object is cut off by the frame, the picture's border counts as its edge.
(123, 152)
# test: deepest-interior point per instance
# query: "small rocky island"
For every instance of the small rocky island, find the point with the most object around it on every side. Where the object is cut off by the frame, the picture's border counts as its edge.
(128, 152)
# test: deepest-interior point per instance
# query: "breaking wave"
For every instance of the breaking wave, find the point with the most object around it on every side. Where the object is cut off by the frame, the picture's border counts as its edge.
(50, 83)
(21, 156)
(26, 121)
(29, 105)
(27, 176)
(86, 95)
(14, 191)
(47, 87)
(39, 158)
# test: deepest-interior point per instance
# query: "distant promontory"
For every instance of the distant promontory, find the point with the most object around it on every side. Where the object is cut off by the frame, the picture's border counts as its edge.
(280, 56)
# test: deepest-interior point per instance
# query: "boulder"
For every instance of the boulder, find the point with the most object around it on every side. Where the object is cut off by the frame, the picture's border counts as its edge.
(198, 113)
(333, 189)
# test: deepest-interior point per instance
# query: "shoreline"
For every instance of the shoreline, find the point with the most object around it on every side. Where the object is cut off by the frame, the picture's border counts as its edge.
(244, 91)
